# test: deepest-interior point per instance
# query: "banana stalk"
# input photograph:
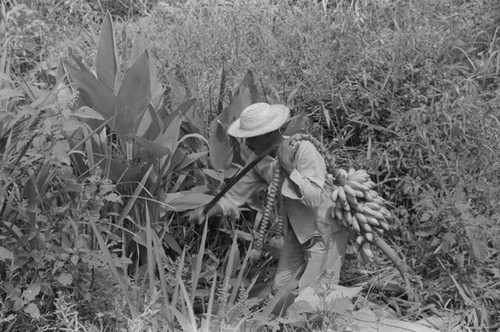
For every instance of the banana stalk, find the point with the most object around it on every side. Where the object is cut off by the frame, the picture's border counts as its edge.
(358, 206)
(392, 255)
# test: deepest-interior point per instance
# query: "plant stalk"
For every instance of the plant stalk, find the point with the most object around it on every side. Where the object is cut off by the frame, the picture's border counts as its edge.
(393, 256)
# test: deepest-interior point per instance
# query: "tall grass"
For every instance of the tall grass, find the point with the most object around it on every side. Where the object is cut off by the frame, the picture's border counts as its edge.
(406, 89)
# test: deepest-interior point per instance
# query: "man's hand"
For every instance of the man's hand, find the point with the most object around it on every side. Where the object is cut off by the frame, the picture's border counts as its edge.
(286, 153)
(198, 216)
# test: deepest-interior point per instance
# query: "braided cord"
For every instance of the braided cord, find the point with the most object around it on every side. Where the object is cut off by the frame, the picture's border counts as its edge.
(280, 219)
(271, 199)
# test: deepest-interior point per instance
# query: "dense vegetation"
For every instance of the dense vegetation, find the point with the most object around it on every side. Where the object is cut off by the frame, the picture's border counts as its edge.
(105, 110)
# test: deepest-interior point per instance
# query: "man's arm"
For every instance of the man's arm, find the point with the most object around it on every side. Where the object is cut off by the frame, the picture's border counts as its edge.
(239, 194)
(307, 178)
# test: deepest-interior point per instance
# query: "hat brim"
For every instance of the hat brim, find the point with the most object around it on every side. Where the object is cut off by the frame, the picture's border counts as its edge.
(281, 116)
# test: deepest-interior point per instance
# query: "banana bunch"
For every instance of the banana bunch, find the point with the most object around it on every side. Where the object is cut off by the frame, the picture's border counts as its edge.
(359, 207)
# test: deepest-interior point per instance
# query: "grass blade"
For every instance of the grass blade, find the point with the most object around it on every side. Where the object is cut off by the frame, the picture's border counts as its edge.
(211, 300)
(191, 316)
(149, 250)
(112, 266)
(199, 262)
(134, 196)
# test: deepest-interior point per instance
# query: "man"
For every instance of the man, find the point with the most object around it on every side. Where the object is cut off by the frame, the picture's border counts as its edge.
(313, 242)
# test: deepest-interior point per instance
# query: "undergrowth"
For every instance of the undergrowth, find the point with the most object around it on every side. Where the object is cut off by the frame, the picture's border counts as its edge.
(93, 234)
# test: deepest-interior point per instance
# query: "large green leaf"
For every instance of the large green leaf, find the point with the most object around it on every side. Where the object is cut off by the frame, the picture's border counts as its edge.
(184, 160)
(150, 124)
(177, 157)
(315, 302)
(135, 91)
(246, 94)
(185, 200)
(106, 60)
(221, 151)
(78, 60)
(173, 124)
(224, 149)
(157, 89)
(179, 112)
(139, 46)
(296, 124)
(157, 149)
(188, 128)
(121, 172)
(178, 93)
(99, 97)
(172, 243)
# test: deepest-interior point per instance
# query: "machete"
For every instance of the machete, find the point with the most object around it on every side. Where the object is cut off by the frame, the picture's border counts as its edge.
(232, 181)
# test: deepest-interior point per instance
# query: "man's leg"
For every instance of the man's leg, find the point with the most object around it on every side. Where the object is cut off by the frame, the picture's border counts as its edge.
(321, 258)
(315, 253)
(291, 262)
(290, 268)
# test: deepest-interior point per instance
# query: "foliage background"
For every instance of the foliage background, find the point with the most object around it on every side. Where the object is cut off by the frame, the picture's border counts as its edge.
(407, 90)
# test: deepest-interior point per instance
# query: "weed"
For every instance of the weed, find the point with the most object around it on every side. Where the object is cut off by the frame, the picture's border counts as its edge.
(106, 151)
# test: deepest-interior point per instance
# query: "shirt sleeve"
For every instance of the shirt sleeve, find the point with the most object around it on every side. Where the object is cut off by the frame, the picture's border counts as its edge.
(255, 180)
(306, 182)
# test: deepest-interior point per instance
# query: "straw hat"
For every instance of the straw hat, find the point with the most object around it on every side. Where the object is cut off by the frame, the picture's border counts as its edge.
(259, 119)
